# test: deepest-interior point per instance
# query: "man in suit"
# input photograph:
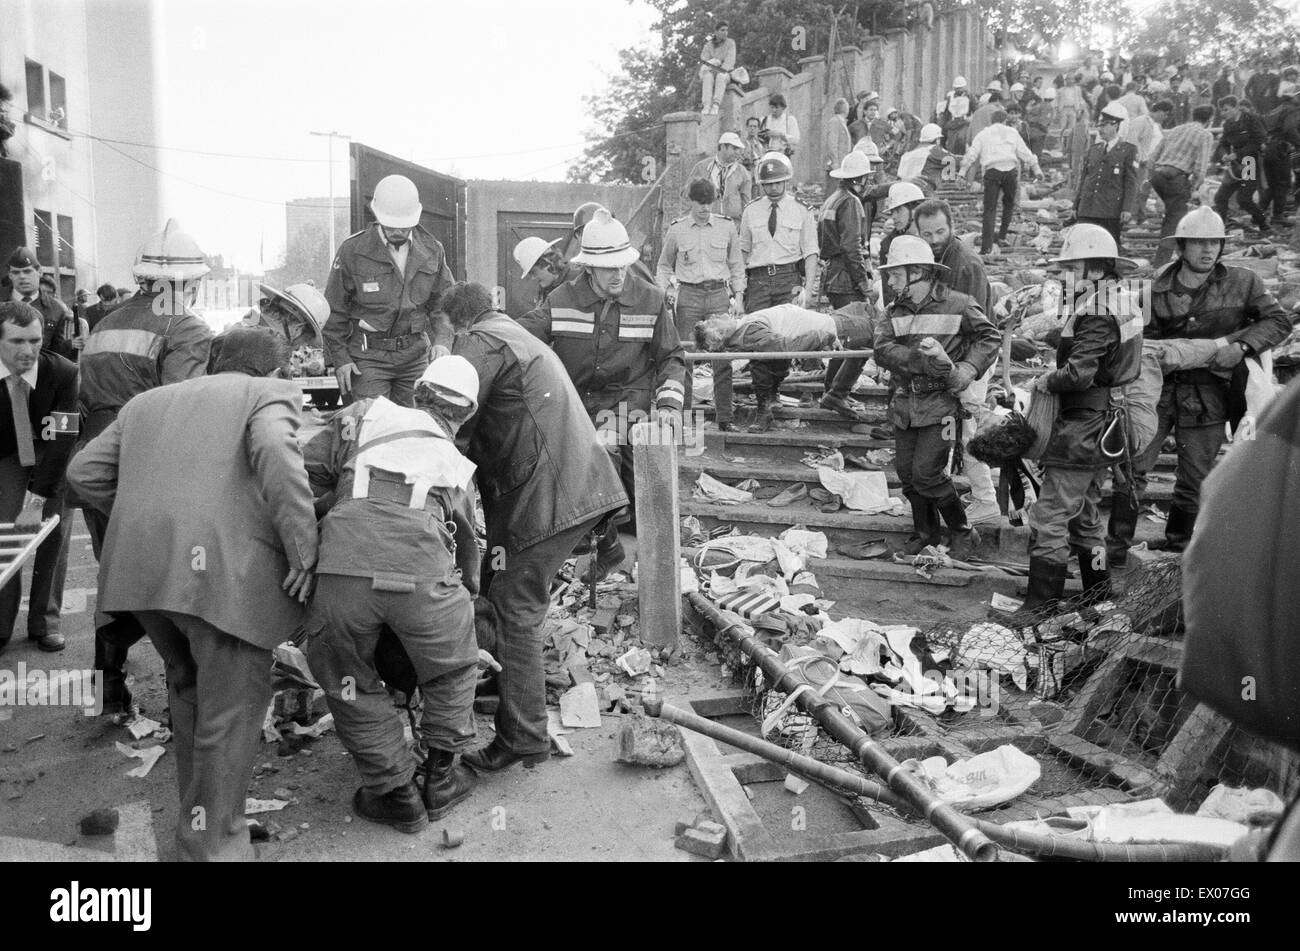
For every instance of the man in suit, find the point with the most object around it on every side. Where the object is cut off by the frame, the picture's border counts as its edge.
(1108, 178)
(38, 428)
(209, 508)
(59, 329)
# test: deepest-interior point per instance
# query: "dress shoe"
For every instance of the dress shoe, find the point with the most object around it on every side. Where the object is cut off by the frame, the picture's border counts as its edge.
(445, 783)
(726, 426)
(50, 643)
(833, 504)
(791, 495)
(400, 808)
(494, 757)
(871, 548)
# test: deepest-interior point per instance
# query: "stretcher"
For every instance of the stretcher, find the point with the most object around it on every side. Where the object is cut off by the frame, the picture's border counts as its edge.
(18, 548)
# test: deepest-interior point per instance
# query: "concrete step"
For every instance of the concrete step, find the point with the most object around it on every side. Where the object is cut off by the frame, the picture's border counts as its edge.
(876, 569)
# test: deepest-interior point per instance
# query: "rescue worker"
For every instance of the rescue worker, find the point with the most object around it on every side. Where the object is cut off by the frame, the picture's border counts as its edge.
(383, 292)
(901, 204)
(582, 216)
(296, 315)
(872, 191)
(1108, 178)
(926, 162)
(1282, 126)
(59, 329)
(1196, 297)
(541, 261)
(546, 483)
(846, 277)
(150, 340)
(934, 341)
(615, 336)
(398, 549)
(701, 272)
(1241, 143)
(954, 118)
(776, 235)
(1100, 350)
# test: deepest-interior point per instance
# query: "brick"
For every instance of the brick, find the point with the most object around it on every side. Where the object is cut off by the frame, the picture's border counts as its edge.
(705, 844)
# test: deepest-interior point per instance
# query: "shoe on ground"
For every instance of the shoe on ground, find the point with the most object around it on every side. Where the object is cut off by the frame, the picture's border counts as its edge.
(790, 495)
(983, 513)
(871, 548)
(726, 426)
(400, 808)
(818, 494)
(833, 504)
(50, 643)
(494, 757)
(839, 404)
(962, 544)
(446, 783)
(762, 421)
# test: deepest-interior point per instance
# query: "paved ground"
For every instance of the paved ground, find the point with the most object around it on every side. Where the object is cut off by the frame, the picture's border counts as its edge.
(57, 765)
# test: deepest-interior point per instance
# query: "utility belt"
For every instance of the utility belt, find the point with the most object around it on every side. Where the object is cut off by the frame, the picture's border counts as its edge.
(772, 270)
(705, 285)
(1174, 168)
(926, 384)
(1096, 398)
(1198, 377)
(376, 341)
(396, 489)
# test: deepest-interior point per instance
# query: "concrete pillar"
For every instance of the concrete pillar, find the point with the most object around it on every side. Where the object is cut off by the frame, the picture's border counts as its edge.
(729, 113)
(846, 63)
(817, 117)
(895, 69)
(682, 147)
(874, 57)
(659, 580)
(774, 79)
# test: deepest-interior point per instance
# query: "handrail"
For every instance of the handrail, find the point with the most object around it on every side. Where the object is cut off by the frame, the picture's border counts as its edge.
(711, 356)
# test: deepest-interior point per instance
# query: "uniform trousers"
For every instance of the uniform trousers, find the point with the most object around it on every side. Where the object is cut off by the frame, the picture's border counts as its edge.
(1067, 517)
(694, 304)
(50, 566)
(921, 460)
(389, 373)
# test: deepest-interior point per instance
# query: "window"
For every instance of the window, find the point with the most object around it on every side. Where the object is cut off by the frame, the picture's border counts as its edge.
(67, 244)
(35, 89)
(44, 238)
(58, 101)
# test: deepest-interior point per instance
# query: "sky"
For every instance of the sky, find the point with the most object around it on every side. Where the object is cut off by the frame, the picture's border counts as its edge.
(478, 89)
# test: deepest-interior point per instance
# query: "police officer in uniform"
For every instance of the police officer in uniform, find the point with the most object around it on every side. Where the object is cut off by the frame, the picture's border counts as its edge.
(398, 549)
(1196, 297)
(1108, 178)
(776, 234)
(150, 340)
(58, 326)
(934, 341)
(701, 272)
(1100, 350)
(383, 292)
(615, 336)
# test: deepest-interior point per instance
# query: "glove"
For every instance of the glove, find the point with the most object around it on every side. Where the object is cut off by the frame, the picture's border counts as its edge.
(960, 377)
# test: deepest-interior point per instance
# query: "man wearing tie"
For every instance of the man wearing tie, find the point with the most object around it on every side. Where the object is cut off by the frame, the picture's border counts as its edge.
(38, 428)
(58, 330)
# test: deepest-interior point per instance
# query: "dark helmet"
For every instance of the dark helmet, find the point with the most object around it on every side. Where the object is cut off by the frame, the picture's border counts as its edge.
(584, 214)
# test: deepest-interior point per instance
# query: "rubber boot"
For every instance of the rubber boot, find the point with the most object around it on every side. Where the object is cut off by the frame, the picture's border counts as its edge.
(762, 413)
(962, 539)
(445, 783)
(110, 661)
(1096, 581)
(925, 524)
(400, 808)
(1046, 587)
(1178, 531)
(1124, 511)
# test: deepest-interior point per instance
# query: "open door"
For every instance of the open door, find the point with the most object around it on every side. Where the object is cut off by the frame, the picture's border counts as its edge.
(513, 227)
(442, 196)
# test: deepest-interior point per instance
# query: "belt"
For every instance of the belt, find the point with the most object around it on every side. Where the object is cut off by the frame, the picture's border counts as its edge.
(1175, 168)
(926, 384)
(400, 342)
(400, 492)
(705, 285)
(771, 269)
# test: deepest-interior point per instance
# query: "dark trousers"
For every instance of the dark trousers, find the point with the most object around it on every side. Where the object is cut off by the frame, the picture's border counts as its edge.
(1198, 446)
(1243, 188)
(521, 593)
(50, 566)
(218, 688)
(1174, 188)
(693, 305)
(842, 375)
(435, 625)
(114, 633)
(389, 373)
(1277, 173)
(768, 375)
(997, 183)
(922, 461)
(1067, 515)
(767, 290)
(1110, 224)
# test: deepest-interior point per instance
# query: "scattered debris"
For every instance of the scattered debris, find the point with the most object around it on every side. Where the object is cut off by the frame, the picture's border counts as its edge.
(646, 741)
(316, 729)
(796, 785)
(253, 806)
(99, 822)
(452, 838)
(635, 662)
(148, 757)
(142, 726)
(707, 839)
(580, 706)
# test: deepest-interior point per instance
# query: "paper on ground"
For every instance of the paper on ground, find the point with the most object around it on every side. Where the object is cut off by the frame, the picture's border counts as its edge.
(253, 806)
(580, 707)
(147, 756)
(866, 492)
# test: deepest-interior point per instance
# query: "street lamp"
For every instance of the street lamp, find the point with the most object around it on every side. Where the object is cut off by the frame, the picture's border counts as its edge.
(331, 136)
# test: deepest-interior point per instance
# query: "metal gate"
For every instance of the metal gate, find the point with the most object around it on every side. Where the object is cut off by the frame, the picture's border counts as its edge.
(513, 227)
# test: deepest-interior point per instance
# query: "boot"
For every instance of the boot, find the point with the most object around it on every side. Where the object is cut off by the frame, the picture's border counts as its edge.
(110, 661)
(762, 414)
(609, 556)
(400, 808)
(1096, 581)
(445, 783)
(1124, 511)
(962, 539)
(1046, 586)
(925, 524)
(1178, 531)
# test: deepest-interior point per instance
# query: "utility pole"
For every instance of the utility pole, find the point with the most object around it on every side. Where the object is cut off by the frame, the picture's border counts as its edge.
(330, 137)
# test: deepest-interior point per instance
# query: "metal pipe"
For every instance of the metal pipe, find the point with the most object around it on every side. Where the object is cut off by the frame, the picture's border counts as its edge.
(957, 828)
(795, 762)
(713, 356)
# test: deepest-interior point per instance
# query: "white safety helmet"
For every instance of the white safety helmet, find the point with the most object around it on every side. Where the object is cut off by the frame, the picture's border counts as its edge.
(930, 132)
(1017, 87)
(868, 148)
(908, 249)
(455, 379)
(1202, 223)
(774, 167)
(903, 193)
(396, 203)
(1113, 110)
(530, 250)
(959, 82)
(171, 254)
(854, 165)
(605, 243)
(305, 299)
(1086, 242)
(994, 84)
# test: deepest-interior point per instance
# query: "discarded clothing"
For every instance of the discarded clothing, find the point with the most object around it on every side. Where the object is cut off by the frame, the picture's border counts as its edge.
(993, 647)
(982, 781)
(709, 489)
(866, 492)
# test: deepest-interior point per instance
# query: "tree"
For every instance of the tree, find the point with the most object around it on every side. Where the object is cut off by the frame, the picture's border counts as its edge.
(306, 258)
(1227, 30)
(1036, 26)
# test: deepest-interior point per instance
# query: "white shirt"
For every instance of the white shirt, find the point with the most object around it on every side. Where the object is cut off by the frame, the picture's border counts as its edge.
(998, 147)
(29, 376)
(1143, 133)
(786, 125)
(399, 255)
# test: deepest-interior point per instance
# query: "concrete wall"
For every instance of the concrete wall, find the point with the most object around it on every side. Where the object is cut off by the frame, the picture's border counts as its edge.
(485, 199)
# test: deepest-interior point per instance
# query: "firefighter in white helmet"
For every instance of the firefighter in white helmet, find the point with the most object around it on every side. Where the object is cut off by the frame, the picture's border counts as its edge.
(934, 341)
(954, 117)
(616, 337)
(1100, 351)
(149, 341)
(398, 551)
(926, 163)
(542, 262)
(383, 290)
(1197, 297)
(297, 314)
